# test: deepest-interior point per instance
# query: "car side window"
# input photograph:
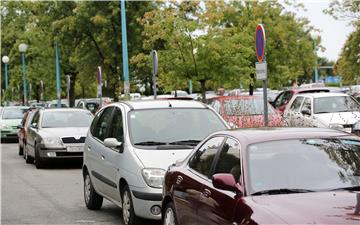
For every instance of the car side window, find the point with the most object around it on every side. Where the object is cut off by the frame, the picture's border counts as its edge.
(203, 159)
(295, 106)
(103, 124)
(216, 105)
(116, 129)
(94, 122)
(36, 118)
(229, 159)
(307, 104)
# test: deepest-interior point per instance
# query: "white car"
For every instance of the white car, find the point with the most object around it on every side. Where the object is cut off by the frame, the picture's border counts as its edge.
(333, 110)
(131, 144)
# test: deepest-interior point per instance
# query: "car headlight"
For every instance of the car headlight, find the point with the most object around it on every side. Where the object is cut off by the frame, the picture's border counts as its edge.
(153, 177)
(51, 141)
(336, 126)
(4, 126)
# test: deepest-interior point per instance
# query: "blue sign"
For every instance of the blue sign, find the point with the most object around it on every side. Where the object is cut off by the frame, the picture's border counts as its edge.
(260, 42)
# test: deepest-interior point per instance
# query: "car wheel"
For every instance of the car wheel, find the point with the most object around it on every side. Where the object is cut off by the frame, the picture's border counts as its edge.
(169, 217)
(92, 199)
(21, 149)
(39, 162)
(128, 213)
(28, 159)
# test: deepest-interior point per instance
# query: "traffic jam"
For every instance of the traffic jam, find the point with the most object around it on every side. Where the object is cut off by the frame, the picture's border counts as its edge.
(176, 159)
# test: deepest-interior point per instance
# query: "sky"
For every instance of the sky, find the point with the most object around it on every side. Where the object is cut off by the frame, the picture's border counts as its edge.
(333, 32)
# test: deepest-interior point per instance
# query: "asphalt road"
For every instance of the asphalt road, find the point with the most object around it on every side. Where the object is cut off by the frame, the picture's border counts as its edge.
(48, 196)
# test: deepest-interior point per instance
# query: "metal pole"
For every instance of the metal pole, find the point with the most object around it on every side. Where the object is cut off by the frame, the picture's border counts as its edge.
(266, 116)
(315, 67)
(57, 77)
(6, 77)
(24, 77)
(68, 88)
(41, 90)
(30, 89)
(124, 50)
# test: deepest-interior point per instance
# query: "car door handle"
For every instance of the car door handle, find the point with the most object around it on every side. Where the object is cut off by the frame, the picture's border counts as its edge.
(179, 179)
(89, 148)
(102, 157)
(206, 193)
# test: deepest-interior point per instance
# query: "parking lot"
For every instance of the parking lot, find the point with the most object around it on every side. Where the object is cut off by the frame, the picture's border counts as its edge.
(48, 196)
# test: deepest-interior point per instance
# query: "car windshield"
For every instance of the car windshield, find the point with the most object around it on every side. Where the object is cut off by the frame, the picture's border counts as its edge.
(333, 104)
(66, 119)
(166, 126)
(13, 113)
(310, 164)
(245, 107)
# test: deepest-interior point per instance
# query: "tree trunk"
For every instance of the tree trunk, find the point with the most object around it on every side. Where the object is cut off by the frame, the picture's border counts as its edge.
(72, 89)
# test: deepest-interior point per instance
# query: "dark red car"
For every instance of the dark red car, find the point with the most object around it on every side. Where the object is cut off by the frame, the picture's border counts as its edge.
(284, 97)
(245, 111)
(25, 123)
(266, 176)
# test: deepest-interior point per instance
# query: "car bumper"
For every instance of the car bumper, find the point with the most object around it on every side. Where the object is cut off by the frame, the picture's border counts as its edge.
(9, 134)
(64, 152)
(144, 199)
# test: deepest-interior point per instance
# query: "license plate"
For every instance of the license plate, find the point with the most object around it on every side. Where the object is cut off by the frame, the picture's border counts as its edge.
(75, 149)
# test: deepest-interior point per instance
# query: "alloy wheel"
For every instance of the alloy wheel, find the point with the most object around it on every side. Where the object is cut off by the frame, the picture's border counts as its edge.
(169, 218)
(87, 188)
(126, 207)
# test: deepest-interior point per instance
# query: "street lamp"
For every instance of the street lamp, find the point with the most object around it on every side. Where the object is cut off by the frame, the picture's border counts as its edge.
(22, 49)
(315, 37)
(5, 60)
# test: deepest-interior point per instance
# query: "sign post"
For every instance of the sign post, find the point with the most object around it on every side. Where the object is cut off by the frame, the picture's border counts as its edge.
(261, 66)
(99, 86)
(155, 71)
(68, 82)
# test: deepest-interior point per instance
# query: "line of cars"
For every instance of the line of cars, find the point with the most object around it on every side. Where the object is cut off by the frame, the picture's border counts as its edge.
(226, 177)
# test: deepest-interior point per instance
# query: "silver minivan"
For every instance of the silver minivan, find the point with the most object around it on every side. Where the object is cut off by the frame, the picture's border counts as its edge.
(131, 144)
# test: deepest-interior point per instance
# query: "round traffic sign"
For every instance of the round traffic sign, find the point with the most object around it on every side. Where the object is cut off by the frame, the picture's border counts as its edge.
(260, 42)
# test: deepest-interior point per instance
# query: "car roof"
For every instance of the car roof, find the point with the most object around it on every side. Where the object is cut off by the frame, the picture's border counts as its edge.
(256, 135)
(236, 97)
(322, 94)
(63, 109)
(158, 104)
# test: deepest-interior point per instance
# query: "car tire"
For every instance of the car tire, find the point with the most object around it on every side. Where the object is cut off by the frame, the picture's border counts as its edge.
(92, 199)
(169, 215)
(28, 159)
(39, 162)
(21, 149)
(128, 214)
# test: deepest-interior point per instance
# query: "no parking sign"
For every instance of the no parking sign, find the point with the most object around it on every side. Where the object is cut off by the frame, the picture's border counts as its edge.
(260, 42)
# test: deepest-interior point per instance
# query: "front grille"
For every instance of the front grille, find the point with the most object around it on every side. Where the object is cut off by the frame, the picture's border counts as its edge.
(69, 140)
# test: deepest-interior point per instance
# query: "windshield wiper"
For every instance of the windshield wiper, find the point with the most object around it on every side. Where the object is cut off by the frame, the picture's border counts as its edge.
(322, 112)
(150, 143)
(353, 188)
(185, 142)
(281, 191)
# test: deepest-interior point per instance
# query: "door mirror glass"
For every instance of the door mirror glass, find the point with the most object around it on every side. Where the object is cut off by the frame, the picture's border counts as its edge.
(226, 181)
(112, 143)
(306, 112)
(34, 125)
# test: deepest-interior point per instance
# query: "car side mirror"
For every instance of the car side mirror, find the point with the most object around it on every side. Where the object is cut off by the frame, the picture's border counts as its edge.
(34, 125)
(226, 181)
(19, 126)
(114, 144)
(306, 112)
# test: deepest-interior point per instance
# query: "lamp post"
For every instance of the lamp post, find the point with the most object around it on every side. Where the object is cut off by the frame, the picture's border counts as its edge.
(315, 37)
(22, 49)
(5, 60)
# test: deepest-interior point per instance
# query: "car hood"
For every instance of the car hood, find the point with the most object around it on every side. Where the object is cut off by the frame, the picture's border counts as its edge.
(310, 208)
(11, 122)
(151, 158)
(342, 118)
(64, 132)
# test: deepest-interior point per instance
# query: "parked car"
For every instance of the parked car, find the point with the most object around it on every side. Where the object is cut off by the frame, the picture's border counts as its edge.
(245, 111)
(284, 97)
(131, 144)
(266, 176)
(333, 110)
(23, 128)
(10, 119)
(57, 133)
